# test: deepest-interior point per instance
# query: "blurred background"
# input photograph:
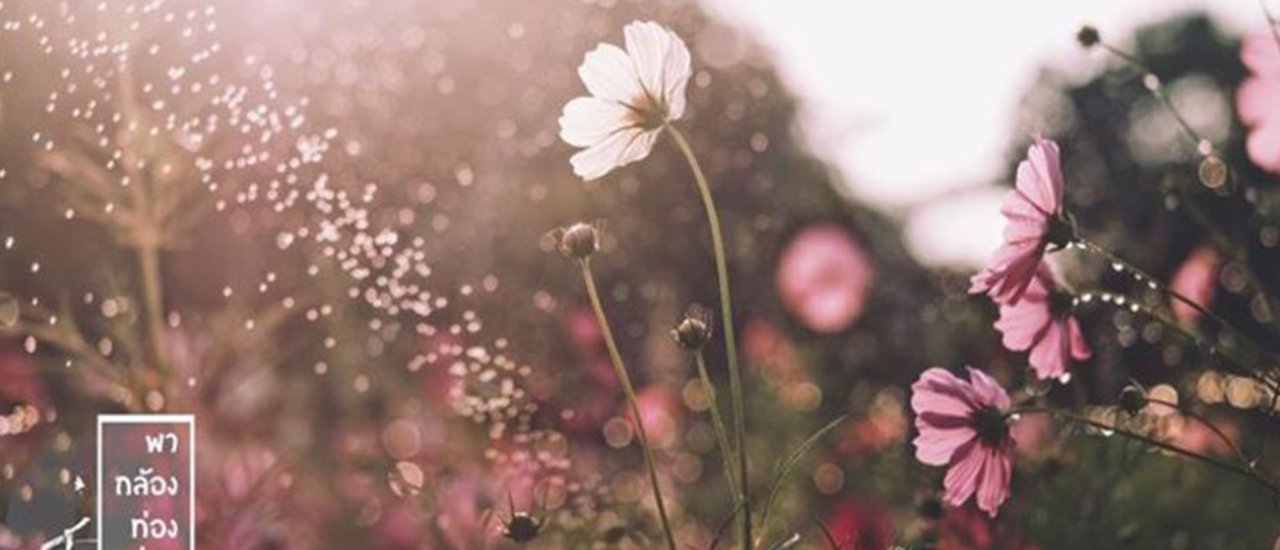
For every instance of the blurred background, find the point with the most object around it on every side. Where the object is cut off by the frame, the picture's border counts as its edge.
(322, 227)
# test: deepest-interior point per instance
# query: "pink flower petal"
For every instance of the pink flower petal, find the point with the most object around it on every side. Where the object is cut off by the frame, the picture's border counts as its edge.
(962, 478)
(1023, 323)
(1079, 347)
(1040, 176)
(823, 278)
(1050, 355)
(993, 485)
(936, 447)
(941, 392)
(988, 390)
(1263, 145)
(1261, 54)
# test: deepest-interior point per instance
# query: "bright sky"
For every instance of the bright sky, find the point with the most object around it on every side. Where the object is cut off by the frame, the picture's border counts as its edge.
(869, 75)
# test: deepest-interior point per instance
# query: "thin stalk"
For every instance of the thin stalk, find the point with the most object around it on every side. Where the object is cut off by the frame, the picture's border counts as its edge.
(1150, 441)
(621, 369)
(1239, 454)
(1240, 254)
(730, 341)
(1157, 91)
(152, 297)
(789, 464)
(1271, 21)
(722, 436)
(1233, 363)
(1143, 277)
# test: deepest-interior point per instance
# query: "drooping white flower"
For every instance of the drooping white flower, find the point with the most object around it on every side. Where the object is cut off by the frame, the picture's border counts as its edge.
(633, 93)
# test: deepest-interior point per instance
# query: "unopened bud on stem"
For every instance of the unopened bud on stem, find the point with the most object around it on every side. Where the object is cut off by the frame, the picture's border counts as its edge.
(1088, 36)
(1133, 399)
(579, 241)
(694, 330)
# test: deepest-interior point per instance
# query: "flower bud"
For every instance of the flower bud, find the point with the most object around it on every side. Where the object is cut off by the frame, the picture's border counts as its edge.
(1133, 399)
(694, 330)
(1088, 36)
(579, 241)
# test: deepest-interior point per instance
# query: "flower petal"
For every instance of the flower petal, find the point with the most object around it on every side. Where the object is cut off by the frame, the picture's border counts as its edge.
(962, 478)
(936, 447)
(589, 120)
(993, 485)
(1051, 355)
(988, 391)
(676, 75)
(619, 149)
(1261, 53)
(1079, 347)
(1263, 146)
(648, 44)
(1256, 99)
(1023, 323)
(939, 391)
(661, 62)
(1040, 176)
(609, 74)
(1010, 272)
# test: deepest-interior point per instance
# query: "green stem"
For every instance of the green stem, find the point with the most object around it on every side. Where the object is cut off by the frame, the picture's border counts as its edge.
(1150, 441)
(621, 369)
(788, 465)
(722, 435)
(730, 342)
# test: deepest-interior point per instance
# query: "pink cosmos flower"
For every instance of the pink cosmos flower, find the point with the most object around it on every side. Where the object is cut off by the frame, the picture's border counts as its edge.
(823, 278)
(1257, 98)
(1042, 322)
(962, 425)
(1035, 221)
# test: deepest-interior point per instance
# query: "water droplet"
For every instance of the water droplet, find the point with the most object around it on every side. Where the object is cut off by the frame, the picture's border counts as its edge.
(9, 310)
(1213, 172)
(1151, 82)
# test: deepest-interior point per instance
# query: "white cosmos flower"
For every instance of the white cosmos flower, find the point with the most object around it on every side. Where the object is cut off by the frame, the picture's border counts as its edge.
(633, 93)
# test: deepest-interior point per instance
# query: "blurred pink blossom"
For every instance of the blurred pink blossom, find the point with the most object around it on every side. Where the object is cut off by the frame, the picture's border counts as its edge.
(466, 518)
(1033, 432)
(658, 409)
(962, 425)
(1197, 279)
(1034, 212)
(1193, 435)
(860, 525)
(966, 529)
(767, 346)
(823, 277)
(1258, 98)
(1042, 322)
